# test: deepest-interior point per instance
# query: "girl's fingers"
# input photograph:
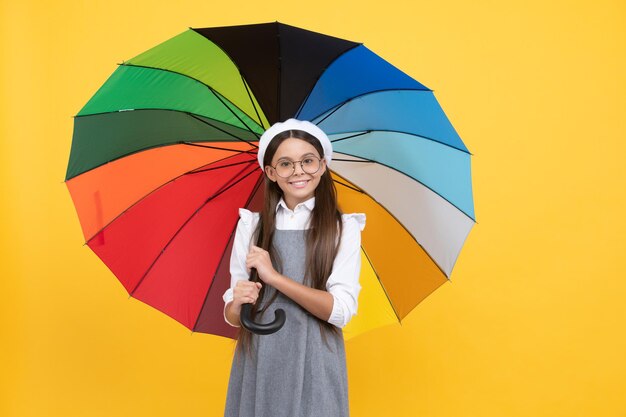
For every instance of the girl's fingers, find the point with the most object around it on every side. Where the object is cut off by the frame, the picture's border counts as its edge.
(244, 283)
(256, 249)
(247, 291)
(248, 299)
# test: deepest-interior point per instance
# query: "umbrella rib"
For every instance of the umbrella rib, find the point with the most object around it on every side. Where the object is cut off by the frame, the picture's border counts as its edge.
(366, 161)
(404, 133)
(358, 190)
(221, 130)
(381, 284)
(153, 190)
(306, 99)
(256, 187)
(329, 114)
(219, 167)
(223, 189)
(242, 78)
(351, 136)
(280, 74)
(425, 297)
(239, 151)
(197, 80)
(251, 100)
(176, 111)
(408, 176)
(400, 223)
(231, 110)
(343, 103)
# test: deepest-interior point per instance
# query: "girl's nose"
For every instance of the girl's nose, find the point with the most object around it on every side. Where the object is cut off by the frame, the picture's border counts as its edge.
(298, 168)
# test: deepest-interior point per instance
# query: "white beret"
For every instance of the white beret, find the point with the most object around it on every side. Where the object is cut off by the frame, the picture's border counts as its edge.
(294, 124)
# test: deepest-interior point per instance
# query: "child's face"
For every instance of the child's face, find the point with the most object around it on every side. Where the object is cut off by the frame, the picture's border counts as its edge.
(300, 186)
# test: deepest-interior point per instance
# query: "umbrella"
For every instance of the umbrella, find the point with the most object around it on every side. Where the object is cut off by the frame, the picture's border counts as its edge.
(164, 153)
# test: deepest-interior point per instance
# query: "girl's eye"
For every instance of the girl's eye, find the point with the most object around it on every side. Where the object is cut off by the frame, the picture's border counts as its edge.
(284, 164)
(308, 161)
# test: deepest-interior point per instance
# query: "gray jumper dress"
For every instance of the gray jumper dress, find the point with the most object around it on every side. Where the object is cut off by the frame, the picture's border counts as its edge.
(293, 372)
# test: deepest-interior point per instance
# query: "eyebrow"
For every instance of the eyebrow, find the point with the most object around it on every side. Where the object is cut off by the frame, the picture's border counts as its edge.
(306, 154)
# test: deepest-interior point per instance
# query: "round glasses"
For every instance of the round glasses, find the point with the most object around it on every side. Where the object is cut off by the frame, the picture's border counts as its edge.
(286, 168)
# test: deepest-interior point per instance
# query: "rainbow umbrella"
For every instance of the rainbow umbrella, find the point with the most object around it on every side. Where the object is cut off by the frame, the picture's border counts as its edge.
(164, 154)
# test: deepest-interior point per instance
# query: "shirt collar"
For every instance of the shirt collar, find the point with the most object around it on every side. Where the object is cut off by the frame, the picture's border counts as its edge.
(308, 204)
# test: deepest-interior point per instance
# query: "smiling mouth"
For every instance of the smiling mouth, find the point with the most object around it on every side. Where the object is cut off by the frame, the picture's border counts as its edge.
(299, 184)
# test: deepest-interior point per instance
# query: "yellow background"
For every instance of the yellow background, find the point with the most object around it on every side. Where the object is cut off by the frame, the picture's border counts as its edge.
(532, 323)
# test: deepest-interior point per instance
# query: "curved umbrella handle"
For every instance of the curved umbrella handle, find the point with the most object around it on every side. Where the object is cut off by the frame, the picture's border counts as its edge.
(259, 328)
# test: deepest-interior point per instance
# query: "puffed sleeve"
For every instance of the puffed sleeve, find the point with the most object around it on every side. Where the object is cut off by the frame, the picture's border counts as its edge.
(241, 246)
(343, 283)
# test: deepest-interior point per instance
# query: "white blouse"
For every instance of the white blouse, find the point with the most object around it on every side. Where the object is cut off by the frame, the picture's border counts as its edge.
(343, 282)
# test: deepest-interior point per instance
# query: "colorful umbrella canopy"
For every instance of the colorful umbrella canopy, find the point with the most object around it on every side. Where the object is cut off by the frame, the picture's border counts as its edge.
(164, 154)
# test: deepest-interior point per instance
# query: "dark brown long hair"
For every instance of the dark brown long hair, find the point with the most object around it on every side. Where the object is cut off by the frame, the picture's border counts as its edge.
(322, 238)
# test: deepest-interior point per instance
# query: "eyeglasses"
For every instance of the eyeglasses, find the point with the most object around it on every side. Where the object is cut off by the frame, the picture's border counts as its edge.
(286, 168)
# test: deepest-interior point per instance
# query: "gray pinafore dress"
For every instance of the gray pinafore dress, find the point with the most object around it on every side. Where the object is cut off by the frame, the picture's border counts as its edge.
(293, 372)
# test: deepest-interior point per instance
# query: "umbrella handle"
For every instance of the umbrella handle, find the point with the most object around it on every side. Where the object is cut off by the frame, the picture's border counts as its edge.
(259, 328)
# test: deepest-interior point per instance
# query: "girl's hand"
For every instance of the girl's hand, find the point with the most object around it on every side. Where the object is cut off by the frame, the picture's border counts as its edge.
(260, 259)
(245, 292)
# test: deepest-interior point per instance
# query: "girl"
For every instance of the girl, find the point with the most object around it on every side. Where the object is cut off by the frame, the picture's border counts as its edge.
(307, 261)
